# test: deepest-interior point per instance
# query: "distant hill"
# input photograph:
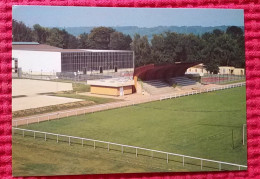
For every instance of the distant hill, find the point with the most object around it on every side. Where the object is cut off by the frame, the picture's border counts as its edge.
(131, 30)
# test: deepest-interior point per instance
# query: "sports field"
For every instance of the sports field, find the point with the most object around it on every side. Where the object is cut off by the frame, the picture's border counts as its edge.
(200, 126)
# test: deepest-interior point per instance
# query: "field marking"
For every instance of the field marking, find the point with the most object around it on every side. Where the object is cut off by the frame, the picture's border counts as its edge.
(129, 146)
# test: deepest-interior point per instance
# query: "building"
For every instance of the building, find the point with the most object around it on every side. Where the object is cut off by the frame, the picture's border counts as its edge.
(36, 59)
(113, 86)
(223, 70)
(197, 70)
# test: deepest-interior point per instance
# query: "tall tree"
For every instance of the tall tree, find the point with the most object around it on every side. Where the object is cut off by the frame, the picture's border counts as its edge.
(58, 38)
(41, 34)
(84, 41)
(21, 33)
(99, 38)
(141, 47)
(119, 41)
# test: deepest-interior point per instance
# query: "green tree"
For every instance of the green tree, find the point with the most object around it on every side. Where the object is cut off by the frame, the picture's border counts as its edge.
(119, 41)
(73, 42)
(99, 38)
(21, 33)
(141, 47)
(84, 41)
(40, 33)
(58, 38)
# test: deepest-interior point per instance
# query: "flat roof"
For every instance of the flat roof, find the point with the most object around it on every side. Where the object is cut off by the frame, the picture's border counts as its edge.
(34, 46)
(25, 43)
(112, 82)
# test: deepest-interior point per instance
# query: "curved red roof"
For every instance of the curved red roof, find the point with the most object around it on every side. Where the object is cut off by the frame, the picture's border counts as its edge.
(154, 72)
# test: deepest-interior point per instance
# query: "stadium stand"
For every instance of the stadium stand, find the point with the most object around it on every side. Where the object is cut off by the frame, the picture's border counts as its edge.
(183, 81)
(157, 87)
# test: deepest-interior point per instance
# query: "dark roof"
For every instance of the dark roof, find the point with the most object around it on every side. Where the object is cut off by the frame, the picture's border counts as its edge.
(35, 47)
(48, 48)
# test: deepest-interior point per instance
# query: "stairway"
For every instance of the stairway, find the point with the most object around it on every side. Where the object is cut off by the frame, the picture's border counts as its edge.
(157, 87)
(183, 81)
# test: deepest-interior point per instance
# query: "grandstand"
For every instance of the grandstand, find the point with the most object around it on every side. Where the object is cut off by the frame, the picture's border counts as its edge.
(157, 87)
(160, 79)
(184, 82)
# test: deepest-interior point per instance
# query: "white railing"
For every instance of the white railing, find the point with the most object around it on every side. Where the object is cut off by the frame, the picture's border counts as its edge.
(101, 107)
(187, 93)
(220, 163)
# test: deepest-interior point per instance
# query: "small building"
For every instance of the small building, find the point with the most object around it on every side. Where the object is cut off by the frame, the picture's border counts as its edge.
(223, 70)
(197, 70)
(229, 70)
(112, 86)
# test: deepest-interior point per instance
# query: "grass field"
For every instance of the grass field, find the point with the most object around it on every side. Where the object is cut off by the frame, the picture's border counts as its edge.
(199, 126)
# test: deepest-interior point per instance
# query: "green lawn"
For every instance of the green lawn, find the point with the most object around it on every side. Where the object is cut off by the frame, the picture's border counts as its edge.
(199, 126)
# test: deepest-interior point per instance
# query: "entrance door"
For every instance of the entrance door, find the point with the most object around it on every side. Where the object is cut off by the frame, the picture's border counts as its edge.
(121, 91)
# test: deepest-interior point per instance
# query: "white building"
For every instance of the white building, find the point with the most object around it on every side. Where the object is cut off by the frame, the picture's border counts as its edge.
(35, 58)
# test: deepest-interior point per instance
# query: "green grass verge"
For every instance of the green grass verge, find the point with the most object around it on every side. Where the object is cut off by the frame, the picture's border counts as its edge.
(199, 126)
(80, 88)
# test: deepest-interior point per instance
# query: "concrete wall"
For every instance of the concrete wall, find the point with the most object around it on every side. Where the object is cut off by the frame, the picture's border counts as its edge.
(47, 63)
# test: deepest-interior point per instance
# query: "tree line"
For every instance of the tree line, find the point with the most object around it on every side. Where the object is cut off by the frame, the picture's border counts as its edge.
(219, 48)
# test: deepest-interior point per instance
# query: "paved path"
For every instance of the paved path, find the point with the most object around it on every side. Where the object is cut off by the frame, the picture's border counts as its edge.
(129, 100)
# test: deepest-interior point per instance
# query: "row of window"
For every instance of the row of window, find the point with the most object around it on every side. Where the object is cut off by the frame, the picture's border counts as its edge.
(79, 61)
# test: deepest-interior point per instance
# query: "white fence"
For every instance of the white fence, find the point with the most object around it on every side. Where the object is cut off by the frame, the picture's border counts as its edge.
(101, 107)
(176, 95)
(137, 149)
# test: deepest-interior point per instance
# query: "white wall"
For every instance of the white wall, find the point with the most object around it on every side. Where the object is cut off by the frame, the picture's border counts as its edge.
(38, 62)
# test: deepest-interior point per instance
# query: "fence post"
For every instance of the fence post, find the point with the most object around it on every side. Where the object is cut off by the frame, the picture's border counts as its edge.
(57, 138)
(167, 158)
(244, 134)
(23, 133)
(45, 136)
(34, 135)
(107, 146)
(82, 142)
(183, 161)
(69, 140)
(200, 164)
(239, 167)
(219, 166)
(152, 154)
(94, 144)
(136, 152)
(122, 149)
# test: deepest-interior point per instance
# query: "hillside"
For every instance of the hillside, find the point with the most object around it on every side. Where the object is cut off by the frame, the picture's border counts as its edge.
(131, 30)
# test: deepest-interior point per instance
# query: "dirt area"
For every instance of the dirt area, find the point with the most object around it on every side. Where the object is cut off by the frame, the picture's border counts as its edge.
(37, 101)
(33, 87)
(27, 94)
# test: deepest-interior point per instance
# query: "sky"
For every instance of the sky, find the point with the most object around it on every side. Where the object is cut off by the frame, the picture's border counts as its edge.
(65, 16)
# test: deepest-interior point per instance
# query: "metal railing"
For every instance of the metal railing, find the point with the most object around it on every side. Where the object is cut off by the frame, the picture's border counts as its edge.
(137, 149)
(176, 95)
(220, 79)
(101, 107)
